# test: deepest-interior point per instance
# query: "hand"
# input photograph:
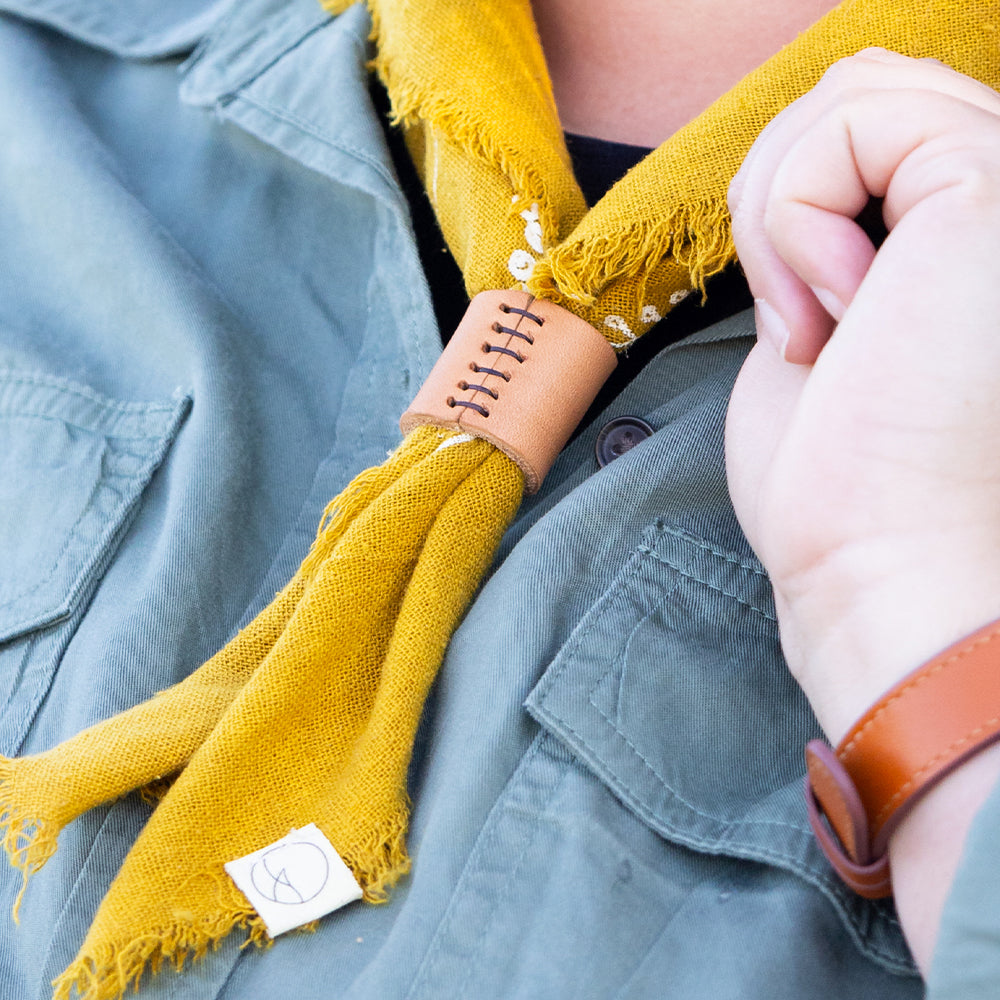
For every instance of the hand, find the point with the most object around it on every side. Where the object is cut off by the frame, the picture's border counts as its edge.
(863, 440)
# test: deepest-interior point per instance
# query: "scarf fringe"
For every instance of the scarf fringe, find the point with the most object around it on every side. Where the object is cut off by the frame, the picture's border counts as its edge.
(107, 973)
(697, 237)
(380, 861)
(413, 104)
(29, 841)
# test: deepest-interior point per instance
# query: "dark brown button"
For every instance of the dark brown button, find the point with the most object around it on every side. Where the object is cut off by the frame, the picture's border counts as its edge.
(619, 436)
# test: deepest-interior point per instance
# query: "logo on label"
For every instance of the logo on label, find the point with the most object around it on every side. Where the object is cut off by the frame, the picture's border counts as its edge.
(291, 873)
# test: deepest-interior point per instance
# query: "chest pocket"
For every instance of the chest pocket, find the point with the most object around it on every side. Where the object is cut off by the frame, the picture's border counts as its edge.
(674, 692)
(72, 467)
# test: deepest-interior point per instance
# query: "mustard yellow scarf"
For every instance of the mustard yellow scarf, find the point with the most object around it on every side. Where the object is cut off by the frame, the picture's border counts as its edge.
(308, 715)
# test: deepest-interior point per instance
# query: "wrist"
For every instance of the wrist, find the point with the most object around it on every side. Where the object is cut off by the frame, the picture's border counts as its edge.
(926, 849)
(855, 626)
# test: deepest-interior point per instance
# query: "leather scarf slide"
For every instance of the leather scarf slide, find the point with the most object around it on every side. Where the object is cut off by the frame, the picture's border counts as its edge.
(341, 661)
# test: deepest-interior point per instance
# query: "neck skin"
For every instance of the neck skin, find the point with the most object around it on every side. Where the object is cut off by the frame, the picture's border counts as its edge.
(635, 71)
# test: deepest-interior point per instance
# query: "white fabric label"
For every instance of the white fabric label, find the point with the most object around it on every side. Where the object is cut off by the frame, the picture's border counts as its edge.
(294, 880)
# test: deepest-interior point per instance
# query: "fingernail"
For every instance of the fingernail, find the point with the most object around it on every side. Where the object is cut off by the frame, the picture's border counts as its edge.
(830, 302)
(770, 326)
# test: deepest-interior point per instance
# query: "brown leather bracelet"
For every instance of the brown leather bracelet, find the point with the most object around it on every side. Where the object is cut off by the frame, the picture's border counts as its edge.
(920, 730)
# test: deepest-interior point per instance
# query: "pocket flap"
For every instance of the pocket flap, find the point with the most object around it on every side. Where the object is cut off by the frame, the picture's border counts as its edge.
(674, 692)
(72, 465)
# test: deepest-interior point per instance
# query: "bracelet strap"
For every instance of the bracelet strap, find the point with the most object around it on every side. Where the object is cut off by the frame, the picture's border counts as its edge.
(921, 729)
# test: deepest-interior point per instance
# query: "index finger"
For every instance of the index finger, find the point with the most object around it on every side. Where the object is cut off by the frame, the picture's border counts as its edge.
(805, 305)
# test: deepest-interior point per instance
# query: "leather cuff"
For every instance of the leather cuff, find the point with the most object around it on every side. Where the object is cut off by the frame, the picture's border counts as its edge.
(519, 372)
(919, 731)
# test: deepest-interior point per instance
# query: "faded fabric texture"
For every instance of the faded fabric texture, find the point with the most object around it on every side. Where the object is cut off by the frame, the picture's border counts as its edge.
(606, 783)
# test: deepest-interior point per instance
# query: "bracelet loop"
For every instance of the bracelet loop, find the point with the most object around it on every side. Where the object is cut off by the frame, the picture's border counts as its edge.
(915, 734)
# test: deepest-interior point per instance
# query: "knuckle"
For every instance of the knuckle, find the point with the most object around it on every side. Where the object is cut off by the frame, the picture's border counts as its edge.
(978, 185)
(879, 54)
(856, 70)
(844, 72)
